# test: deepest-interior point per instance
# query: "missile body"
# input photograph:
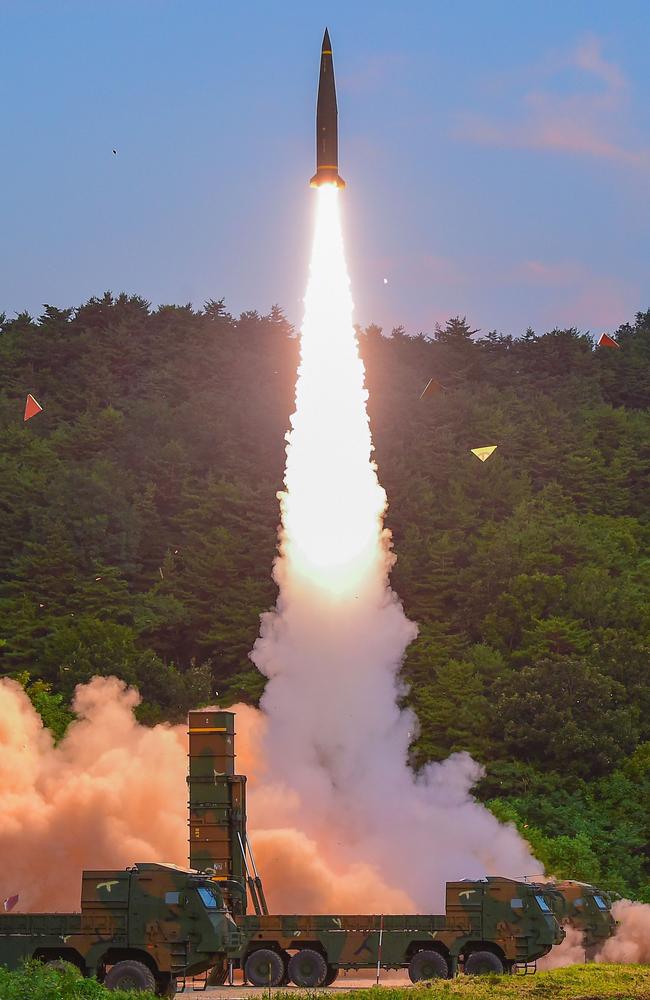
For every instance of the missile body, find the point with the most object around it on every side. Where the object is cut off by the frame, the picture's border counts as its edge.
(327, 133)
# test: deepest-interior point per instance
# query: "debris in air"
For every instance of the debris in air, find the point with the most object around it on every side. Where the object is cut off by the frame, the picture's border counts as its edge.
(606, 341)
(31, 407)
(114, 152)
(484, 453)
(10, 902)
(431, 387)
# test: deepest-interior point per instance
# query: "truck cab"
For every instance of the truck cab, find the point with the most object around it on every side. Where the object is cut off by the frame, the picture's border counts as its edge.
(138, 929)
(589, 909)
(516, 918)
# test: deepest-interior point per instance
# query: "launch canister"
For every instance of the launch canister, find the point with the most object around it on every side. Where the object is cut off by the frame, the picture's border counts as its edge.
(327, 135)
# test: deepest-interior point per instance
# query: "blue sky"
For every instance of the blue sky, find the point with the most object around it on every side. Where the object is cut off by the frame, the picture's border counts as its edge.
(497, 156)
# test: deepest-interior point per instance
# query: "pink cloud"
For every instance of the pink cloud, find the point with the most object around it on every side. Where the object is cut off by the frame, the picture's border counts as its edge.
(588, 56)
(584, 122)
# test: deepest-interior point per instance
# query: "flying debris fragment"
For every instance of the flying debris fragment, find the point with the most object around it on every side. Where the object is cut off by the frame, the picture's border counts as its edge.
(31, 407)
(114, 152)
(431, 387)
(606, 341)
(484, 453)
(10, 902)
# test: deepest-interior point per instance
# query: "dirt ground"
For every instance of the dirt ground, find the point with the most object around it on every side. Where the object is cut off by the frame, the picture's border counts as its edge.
(350, 982)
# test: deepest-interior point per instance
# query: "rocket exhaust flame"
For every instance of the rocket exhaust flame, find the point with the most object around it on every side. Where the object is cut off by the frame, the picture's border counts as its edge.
(335, 741)
(333, 503)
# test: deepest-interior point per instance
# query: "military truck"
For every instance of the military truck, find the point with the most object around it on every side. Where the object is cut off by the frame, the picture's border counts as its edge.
(490, 925)
(137, 929)
(585, 907)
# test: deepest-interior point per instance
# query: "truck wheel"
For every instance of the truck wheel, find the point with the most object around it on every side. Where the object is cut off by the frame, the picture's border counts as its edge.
(130, 975)
(480, 963)
(307, 968)
(428, 965)
(264, 967)
(332, 975)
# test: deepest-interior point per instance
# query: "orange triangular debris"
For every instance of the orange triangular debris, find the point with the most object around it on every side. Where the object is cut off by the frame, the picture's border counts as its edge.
(606, 341)
(31, 407)
(431, 387)
(484, 453)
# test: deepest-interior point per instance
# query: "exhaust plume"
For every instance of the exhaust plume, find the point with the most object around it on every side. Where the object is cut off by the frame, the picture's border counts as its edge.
(111, 793)
(631, 942)
(570, 952)
(336, 741)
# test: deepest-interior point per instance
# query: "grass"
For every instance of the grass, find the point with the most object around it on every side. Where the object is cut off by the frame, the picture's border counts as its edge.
(35, 982)
(577, 982)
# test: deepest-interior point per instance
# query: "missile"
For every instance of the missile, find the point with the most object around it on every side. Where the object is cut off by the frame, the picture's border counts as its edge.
(327, 134)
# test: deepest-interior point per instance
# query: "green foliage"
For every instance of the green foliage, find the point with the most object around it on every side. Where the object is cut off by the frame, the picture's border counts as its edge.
(36, 982)
(578, 982)
(51, 707)
(139, 517)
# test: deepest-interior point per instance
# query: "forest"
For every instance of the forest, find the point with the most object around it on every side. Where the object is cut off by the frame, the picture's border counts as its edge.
(138, 521)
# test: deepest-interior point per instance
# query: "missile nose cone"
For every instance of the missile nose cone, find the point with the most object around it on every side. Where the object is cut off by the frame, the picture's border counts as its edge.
(327, 45)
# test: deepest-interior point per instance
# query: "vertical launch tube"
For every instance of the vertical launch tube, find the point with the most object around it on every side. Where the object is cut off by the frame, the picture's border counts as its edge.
(217, 797)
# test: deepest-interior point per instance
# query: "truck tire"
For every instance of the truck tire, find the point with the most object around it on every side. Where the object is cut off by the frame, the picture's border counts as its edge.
(481, 963)
(308, 968)
(130, 975)
(332, 975)
(265, 967)
(428, 965)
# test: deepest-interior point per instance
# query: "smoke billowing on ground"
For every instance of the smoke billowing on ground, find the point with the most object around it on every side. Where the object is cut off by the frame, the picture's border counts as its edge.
(113, 792)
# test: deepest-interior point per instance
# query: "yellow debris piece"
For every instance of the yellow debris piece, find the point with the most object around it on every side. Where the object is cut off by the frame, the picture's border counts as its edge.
(484, 453)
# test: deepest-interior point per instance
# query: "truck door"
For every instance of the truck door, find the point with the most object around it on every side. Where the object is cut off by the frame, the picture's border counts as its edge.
(154, 912)
(465, 908)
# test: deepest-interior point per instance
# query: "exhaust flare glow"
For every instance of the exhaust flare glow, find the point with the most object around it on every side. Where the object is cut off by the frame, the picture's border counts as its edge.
(333, 503)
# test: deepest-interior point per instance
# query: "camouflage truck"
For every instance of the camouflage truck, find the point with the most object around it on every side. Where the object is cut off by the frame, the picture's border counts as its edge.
(137, 929)
(585, 907)
(490, 925)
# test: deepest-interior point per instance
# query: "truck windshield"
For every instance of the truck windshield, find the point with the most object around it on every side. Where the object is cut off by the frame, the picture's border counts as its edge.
(600, 903)
(211, 900)
(543, 905)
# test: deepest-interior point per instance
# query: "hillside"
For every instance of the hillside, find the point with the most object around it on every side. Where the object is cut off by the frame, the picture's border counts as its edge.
(138, 516)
